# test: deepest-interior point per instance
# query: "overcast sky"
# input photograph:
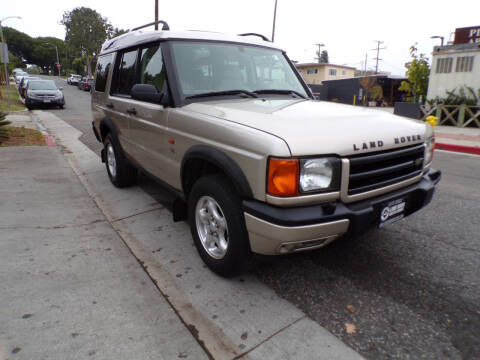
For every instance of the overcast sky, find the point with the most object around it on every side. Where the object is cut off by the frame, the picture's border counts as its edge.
(347, 28)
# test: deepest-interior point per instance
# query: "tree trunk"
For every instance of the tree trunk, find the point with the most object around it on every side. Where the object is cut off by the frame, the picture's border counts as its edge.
(89, 68)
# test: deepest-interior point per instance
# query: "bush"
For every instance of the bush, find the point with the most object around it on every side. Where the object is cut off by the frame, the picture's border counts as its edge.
(466, 95)
(3, 123)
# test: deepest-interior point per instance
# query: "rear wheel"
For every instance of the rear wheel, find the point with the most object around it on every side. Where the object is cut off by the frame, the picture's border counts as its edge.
(120, 172)
(218, 226)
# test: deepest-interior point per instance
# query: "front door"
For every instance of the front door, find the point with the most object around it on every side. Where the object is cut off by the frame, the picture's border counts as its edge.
(148, 120)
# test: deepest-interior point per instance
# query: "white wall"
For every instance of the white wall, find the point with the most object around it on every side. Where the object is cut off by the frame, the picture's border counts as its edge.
(439, 83)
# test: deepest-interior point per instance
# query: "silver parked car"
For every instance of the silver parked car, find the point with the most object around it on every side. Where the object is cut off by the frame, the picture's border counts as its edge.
(43, 92)
(229, 126)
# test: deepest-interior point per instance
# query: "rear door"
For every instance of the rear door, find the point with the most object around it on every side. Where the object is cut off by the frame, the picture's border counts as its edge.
(119, 101)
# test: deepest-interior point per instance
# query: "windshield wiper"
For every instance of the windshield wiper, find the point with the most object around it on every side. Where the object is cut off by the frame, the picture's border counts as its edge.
(221, 93)
(280, 91)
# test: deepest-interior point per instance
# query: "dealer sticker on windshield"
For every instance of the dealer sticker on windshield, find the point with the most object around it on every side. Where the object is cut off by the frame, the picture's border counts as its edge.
(391, 212)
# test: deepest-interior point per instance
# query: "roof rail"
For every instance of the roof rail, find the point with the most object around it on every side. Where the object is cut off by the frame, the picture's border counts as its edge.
(255, 34)
(164, 27)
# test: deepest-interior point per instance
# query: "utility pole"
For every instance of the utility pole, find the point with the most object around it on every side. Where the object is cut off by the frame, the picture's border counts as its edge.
(365, 66)
(274, 20)
(156, 14)
(378, 53)
(58, 61)
(319, 53)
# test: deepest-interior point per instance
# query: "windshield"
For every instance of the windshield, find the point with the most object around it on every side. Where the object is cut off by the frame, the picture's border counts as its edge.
(205, 67)
(42, 85)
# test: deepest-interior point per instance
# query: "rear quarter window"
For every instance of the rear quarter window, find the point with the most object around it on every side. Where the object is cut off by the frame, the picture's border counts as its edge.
(103, 67)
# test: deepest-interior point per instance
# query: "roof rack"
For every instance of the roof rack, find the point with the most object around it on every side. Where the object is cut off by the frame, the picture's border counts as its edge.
(164, 27)
(255, 34)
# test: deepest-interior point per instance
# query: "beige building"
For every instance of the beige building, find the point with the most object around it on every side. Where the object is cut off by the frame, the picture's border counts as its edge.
(315, 73)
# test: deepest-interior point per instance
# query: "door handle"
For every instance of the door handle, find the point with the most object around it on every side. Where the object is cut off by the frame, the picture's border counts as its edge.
(109, 105)
(132, 111)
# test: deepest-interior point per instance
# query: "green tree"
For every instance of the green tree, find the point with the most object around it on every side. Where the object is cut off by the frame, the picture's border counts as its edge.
(78, 65)
(86, 31)
(38, 51)
(418, 71)
(324, 57)
(45, 53)
(15, 62)
(19, 43)
(117, 32)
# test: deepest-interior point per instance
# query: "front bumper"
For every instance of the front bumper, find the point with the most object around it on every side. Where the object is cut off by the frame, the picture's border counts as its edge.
(38, 102)
(274, 230)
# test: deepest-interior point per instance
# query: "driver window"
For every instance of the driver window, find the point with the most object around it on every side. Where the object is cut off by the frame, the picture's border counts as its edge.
(152, 70)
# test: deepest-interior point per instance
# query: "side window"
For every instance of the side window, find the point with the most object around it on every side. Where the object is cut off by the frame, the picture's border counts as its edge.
(152, 70)
(103, 66)
(125, 74)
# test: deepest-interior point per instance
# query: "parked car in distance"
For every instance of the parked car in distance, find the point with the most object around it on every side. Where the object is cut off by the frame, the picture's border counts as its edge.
(19, 75)
(85, 84)
(74, 79)
(17, 71)
(43, 92)
(255, 165)
(23, 84)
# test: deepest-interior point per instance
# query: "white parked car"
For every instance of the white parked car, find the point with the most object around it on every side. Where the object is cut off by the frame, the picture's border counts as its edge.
(74, 79)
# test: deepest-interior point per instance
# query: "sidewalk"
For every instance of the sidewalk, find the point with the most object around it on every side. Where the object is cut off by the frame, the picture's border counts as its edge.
(93, 271)
(466, 140)
(70, 287)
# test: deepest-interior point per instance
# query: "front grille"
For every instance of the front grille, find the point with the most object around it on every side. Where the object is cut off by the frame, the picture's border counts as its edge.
(376, 170)
(46, 96)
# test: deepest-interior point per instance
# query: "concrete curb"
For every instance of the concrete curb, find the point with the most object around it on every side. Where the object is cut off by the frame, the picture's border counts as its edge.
(458, 148)
(231, 319)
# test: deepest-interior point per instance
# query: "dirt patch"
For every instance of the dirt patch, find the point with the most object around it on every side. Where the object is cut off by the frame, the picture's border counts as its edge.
(23, 137)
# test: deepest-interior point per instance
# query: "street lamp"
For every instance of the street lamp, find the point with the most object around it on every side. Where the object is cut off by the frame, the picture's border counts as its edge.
(437, 37)
(7, 80)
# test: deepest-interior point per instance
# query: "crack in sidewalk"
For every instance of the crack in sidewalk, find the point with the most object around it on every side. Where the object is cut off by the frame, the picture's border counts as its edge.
(269, 337)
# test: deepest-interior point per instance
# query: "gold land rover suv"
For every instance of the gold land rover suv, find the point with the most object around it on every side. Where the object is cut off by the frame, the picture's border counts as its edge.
(257, 165)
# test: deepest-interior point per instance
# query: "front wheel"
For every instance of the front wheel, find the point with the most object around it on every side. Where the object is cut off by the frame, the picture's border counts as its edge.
(218, 226)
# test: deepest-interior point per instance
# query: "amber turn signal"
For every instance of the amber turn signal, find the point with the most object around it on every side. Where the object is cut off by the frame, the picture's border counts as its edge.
(283, 177)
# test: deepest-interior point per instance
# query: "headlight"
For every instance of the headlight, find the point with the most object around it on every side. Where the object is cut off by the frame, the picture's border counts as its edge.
(322, 174)
(429, 147)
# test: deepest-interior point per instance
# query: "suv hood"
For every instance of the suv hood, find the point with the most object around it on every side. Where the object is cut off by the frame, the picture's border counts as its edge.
(318, 127)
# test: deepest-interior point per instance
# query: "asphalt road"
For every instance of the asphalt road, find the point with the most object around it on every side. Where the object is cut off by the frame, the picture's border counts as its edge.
(411, 290)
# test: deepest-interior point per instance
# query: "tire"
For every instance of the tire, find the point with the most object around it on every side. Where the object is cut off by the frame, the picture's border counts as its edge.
(228, 253)
(120, 172)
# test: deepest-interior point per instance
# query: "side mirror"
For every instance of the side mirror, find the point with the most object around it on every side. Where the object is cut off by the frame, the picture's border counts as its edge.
(146, 92)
